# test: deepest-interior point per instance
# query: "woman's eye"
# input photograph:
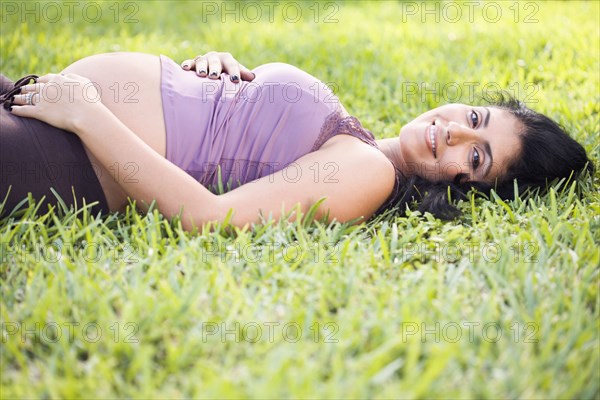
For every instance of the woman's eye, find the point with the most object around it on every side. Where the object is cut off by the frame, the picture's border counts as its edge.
(474, 118)
(475, 159)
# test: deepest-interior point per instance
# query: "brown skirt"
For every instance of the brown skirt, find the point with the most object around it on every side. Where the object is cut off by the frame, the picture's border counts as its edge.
(36, 157)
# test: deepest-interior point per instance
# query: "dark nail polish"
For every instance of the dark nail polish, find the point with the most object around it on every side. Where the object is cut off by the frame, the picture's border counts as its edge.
(213, 73)
(234, 78)
(202, 72)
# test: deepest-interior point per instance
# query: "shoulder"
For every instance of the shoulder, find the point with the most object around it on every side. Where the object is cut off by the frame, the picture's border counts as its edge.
(365, 170)
(358, 152)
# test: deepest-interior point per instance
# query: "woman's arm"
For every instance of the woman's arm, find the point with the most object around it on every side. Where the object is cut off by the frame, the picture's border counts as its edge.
(118, 149)
(355, 179)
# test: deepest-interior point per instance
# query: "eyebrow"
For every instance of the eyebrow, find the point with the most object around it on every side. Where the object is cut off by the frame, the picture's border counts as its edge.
(488, 150)
(486, 145)
(487, 118)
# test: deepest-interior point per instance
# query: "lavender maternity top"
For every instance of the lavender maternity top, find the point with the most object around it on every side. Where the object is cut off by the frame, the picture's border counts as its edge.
(248, 129)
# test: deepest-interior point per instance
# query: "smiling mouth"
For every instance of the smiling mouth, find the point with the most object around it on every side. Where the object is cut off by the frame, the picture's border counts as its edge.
(432, 130)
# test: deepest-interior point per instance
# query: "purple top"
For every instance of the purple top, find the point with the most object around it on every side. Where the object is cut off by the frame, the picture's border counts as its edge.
(249, 129)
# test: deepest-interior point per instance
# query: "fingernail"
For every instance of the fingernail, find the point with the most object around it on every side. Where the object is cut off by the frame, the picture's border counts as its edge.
(234, 78)
(253, 75)
(186, 65)
(213, 73)
(202, 72)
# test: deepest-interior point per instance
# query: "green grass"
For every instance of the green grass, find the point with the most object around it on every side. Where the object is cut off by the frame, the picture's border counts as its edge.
(379, 305)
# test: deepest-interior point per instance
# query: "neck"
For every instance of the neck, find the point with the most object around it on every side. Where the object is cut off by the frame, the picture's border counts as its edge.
(391, 148)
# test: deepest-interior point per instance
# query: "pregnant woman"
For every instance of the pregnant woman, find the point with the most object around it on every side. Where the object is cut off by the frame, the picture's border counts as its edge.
(151, 130)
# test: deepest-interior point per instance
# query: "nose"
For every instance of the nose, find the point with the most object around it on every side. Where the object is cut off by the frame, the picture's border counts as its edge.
(459, 133)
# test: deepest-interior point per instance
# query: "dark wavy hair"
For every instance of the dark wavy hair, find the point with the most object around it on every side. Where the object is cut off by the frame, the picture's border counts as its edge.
(548, 153)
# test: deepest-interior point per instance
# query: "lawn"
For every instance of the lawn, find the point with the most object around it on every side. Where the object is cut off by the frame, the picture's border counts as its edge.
(502, 302)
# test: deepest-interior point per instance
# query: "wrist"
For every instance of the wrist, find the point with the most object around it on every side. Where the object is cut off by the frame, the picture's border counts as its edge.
(91, 115)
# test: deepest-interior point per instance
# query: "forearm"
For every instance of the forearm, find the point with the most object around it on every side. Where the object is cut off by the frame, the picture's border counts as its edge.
(143, 173)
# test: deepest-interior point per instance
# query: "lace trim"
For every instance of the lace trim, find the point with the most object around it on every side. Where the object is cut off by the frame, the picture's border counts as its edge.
(335, 124)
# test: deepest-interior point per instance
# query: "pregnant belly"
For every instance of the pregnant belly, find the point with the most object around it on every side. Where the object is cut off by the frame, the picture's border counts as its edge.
(129, 86)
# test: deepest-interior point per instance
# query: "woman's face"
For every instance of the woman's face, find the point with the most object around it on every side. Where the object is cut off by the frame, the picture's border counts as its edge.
(479, 142)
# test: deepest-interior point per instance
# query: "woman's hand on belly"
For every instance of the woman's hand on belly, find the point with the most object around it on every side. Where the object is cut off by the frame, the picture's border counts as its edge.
(63, 101)
(213, 63)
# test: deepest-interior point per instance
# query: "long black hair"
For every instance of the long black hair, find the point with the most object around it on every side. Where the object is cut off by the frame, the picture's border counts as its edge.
(548, 153)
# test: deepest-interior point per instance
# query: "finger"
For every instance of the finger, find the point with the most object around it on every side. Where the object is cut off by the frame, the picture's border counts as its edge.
(47, 78)
(214, 66)
(188, 64)
(22, 99)
(246, 74)
(32, 87)
(201, 66)
(230, 66)
(23, 111)
(234, 73)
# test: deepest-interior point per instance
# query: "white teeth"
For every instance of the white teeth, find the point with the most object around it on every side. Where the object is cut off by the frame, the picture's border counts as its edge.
(432, 137)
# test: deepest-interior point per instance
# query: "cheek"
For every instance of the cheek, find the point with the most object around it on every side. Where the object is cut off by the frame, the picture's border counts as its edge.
(408, 145)
(454, 162)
